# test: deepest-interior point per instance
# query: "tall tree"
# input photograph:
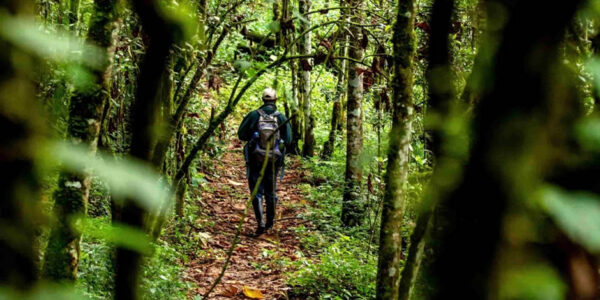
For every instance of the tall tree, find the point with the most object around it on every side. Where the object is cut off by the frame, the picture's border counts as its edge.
(336, 111)
(306, 65)
(161, 36)
(85, 114)
(19, 140)
(507, 127)
(352, 207)
(440, 97)
(390, 241)
(73, 14)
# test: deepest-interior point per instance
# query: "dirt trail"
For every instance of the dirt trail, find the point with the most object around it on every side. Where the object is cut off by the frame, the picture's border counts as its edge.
(256, 263)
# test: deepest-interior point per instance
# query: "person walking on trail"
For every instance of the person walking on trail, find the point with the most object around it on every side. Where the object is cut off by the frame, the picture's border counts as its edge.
(267, 134)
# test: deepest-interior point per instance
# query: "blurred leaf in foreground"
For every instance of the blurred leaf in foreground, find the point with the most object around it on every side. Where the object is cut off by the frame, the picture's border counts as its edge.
(588, 133)
(577, 213)
(118, 234)
(127, 178)
(42, 292)
(62, 47)
(533, 282)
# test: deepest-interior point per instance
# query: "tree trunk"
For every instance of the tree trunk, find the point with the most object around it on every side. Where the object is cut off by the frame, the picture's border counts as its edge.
(390, 241)
(160, 34)
(502, 166)
(353, 206)
(336, 111)
(296, 122)
(306, 65)
(21, 184)
(73, 15)
(85, 116)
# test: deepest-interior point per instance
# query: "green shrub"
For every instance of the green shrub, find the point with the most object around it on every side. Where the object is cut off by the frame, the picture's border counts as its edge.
(344, 270)
(161, 273)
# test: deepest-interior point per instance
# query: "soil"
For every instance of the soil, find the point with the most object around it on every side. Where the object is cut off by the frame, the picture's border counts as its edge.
(261, 263)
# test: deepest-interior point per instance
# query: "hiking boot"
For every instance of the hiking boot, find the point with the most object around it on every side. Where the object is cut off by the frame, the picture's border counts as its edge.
(259, 231)
(269, 227)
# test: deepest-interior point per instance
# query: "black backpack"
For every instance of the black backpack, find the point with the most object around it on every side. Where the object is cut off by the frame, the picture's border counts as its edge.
(268, 137)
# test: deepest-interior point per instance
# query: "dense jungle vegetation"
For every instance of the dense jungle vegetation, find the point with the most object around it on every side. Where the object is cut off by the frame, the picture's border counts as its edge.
(442, 149)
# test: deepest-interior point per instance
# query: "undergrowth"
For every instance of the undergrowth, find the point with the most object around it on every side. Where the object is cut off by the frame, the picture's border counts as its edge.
(161, 273)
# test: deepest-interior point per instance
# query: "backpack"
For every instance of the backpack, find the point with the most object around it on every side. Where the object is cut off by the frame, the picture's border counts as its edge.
(267, 127)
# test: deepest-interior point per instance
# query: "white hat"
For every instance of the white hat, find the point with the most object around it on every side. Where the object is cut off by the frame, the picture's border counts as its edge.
(269, 94)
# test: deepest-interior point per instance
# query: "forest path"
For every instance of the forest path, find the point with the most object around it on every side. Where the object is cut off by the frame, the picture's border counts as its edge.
(259, 263)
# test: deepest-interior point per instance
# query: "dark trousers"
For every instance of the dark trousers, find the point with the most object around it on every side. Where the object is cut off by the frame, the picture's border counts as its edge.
(266, 190)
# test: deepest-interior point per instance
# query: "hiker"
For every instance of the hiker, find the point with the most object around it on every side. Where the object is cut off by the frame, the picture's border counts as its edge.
(262, 129)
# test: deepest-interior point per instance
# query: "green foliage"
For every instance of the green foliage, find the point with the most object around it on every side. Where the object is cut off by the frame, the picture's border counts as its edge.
(577, 213)
(343, 271)
(532, 281)
(161, 277)
(125, 177)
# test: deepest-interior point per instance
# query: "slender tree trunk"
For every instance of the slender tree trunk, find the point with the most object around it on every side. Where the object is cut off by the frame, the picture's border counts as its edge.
(296, 122)
(85, 116)
(73, 15)
(440, 97)
(390, 241)
(353, 206)
(306, 64)
(144, 111)
(21, 184)
(336, 111)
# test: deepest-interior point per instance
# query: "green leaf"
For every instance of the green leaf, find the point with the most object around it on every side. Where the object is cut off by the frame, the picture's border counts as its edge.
(126, 177)
(593, 65)
(587, 132)
(535, 282)
(274, 27)
(577, 213)
(59, 47)
(118, 234)
(241, 65)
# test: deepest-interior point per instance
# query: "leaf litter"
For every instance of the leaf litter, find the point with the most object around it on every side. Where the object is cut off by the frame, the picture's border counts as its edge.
(254, 272)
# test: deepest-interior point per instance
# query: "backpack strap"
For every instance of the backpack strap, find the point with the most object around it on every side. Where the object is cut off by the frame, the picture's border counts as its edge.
(262, 113)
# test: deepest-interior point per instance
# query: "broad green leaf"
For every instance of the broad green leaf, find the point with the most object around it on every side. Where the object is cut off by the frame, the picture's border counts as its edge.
(593, 65)
(588, 133)
(60, 47)
(274, 27)
(118, 234)
(126, 177)
(534, 282)
(577, 213)
(42, 292)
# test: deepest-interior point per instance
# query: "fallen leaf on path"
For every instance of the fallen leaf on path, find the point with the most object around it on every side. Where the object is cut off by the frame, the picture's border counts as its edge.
(235, 182)
(230, 291)
(253, 293)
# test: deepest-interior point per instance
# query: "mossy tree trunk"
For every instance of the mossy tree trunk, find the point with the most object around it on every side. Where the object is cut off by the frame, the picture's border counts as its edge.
(146, 104)
(85, 114)
(353, 206)
(503, 164)
(440, 97)
(21, 184)
(308, 148)
(390, 241)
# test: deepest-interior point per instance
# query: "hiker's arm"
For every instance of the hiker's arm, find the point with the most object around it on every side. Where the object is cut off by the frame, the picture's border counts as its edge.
(286, 133)
(245, 130)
